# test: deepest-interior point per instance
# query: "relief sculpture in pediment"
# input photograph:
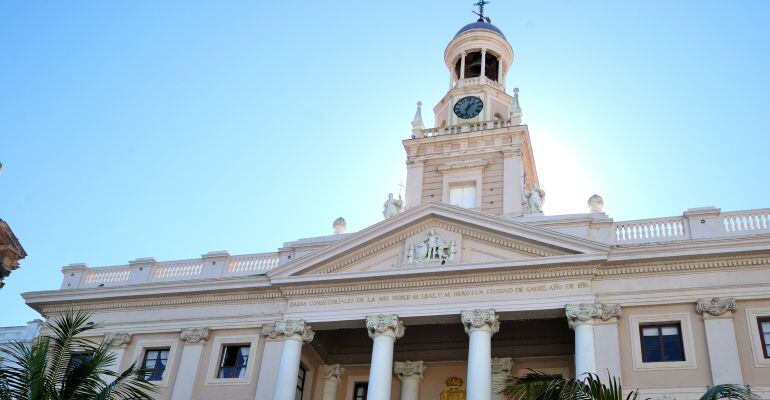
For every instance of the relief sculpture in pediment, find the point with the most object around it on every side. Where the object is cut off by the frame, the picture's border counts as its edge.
(433, 248)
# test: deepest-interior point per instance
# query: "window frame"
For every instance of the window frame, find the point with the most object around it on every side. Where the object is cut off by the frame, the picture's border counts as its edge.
(762, 341)
(687, 338)
(218, 344)
(753, 316)
(142, 344)
(464, 177)
(659, 326)
(145, 351)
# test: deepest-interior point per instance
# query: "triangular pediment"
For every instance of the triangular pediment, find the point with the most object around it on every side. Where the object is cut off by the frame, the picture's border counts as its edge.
(435, 235)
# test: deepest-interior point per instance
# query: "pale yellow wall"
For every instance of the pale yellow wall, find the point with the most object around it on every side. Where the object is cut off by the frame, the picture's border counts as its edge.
(668, 378)
(752, 375)
(492, 178)
(203, 391)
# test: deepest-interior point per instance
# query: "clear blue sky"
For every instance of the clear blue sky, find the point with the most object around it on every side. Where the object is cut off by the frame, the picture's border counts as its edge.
(172, 128)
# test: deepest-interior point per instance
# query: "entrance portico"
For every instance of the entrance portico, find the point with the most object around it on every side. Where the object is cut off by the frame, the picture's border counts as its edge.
(400, 358)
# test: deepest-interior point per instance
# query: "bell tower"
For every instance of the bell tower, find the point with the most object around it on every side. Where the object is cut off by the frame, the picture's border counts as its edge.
(478, 155)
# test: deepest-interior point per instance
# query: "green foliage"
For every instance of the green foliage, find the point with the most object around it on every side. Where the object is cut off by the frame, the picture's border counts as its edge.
(540, 386)
(42, 371)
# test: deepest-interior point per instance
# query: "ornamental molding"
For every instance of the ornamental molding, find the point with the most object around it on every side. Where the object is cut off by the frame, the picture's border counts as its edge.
(195, 335)
(485, 320)
(715, 306)
(585, 313)
(502, 365)
(333, 372)
(459, 278)
(460, 165)
(409, 369)
(387, 325)
(118, 339)
(435, 223)
(640, 268)
(430, 247)
(290, 330)
(180, 300)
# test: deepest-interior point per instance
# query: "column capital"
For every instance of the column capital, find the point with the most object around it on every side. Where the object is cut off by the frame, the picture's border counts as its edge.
(333, 372)
(485, 320)
(716, 306)
(117, 339)
(290, 330)
(407, 369)
(585, 313)
(389, 325)
(502, 365)
(195, 335)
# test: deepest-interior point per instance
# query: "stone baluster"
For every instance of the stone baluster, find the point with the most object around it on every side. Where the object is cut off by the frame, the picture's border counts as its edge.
(384, 330)
(410, 374)
(480, 325)
(501, 371)
(194, 341)
(332, 377)
(581, 319)
(720, 339)
(294, 334)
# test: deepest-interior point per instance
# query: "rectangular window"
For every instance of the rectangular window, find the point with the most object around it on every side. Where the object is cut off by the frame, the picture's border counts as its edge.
(662, 342)
(76, 359)
(233, 362)
(154, 364)
(463, 195)
(359, 390)
(764, 334)
(301, 382)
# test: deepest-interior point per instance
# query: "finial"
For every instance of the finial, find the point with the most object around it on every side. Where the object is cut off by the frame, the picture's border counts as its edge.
(480, 13)
(417, 124)
(596, 204)
(340, 226)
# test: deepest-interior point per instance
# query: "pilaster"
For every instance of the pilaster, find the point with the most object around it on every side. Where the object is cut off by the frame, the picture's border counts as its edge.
(720, 339)
(410, 374)
(294, 333)
(194, 342)
(582, 318)
(332, 377)
(501, 371)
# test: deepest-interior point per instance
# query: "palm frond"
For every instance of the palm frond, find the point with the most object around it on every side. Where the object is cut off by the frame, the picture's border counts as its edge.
(732, 392)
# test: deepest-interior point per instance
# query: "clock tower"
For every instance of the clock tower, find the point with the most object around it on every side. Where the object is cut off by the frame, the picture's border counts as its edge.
(478, 155)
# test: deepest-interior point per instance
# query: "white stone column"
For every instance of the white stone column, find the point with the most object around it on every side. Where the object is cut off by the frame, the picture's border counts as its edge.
(332, 376)
(384, 330)
(462, 68)
(268, 373)
(194, 341)
(720, 339)
(581, 318)
(501, 371)
(117, 343)
(607, 345)
(500, 79)
(483, 65)
(294, 334)
(410, 375)
(480, 325)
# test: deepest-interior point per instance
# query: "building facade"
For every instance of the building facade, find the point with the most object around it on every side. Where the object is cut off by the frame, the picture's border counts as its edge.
(467, 285)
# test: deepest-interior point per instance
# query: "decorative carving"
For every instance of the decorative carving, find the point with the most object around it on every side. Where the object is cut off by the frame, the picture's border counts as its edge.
(502, 365)
(195, 335)
(432, 249)
(596, 204)
(392, 206)
(118, 339)
(715, 306)
(389, 325)
(452, 390)
(339, 226)
(290, 330)
(535, 199)
(333, 372)
(480, 320)
(586, 312)
(408, 368)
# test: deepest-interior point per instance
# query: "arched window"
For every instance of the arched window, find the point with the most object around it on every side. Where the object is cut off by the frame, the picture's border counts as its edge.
(473, 66)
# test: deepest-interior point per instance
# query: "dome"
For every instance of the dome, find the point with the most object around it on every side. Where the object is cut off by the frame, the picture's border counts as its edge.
(480, 24)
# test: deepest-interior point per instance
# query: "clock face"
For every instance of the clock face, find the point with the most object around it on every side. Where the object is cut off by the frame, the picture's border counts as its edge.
(468, 107)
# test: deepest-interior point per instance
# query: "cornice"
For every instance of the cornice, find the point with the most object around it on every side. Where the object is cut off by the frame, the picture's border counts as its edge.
(681, 265)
